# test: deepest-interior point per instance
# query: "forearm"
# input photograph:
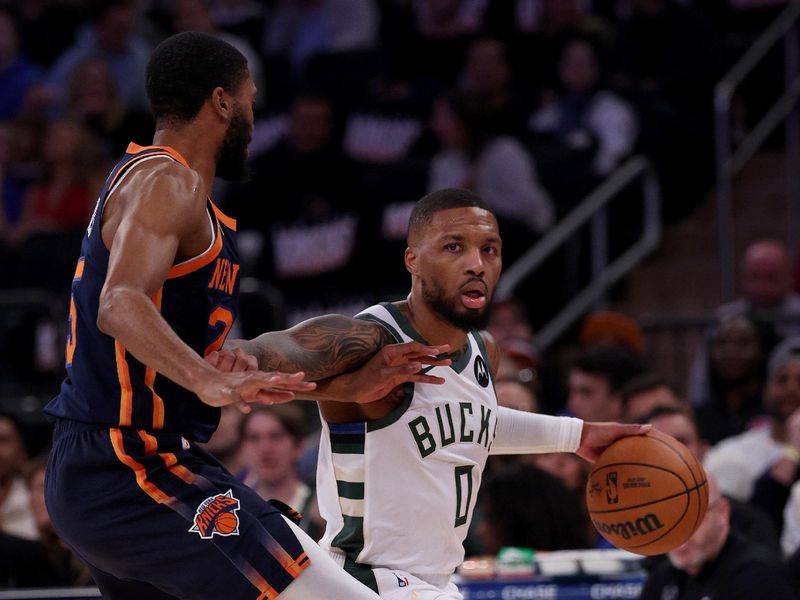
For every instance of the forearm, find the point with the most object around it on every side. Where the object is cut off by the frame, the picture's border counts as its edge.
(521, 432)
(134, 321)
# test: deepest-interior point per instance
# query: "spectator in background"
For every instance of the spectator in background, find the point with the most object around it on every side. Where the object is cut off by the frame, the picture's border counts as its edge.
(17, 73)
(737, 462)
(272, 444)
(196, 15)
(522, 505)
(612, 328)
(487, 75)
(93, 100)
(111, 35)
(737, 372)
(16, 515)
(595, 380)
(57, 208)
(642, 394)
(582, 116)
(497, 167)
(303, 28)
(752, 522)
(669, 58)
(226, 442)
(717, 562)
(311, 227)
(766, 282)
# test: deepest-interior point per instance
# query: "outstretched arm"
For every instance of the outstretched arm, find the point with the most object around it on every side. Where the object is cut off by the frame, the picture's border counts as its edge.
(520, 432)
(351, 360)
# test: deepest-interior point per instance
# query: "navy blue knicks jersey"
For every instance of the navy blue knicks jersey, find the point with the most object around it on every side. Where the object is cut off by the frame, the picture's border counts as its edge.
(105, 384)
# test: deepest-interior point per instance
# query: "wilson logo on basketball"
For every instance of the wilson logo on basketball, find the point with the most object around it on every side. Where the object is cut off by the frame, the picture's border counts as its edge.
(217, 516)
(627, 529)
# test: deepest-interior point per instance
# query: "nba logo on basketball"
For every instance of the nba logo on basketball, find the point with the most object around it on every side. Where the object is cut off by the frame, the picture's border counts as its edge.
(216, 515)
(612, 495)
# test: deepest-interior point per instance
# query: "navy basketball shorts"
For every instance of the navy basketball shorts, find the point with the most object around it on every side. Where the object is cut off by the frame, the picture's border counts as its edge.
(150, 511)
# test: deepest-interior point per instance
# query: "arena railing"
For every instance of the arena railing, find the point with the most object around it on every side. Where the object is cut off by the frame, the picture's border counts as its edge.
(592, 211)
(730, 159)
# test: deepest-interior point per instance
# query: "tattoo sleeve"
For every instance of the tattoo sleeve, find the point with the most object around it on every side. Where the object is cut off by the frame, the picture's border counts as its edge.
(321, 347)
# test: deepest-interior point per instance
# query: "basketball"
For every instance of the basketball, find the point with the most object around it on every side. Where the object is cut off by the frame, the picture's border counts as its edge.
(647, 493)
(226, 523)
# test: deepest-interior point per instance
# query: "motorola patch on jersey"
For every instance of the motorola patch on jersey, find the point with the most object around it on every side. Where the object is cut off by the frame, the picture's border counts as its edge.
(481, 372)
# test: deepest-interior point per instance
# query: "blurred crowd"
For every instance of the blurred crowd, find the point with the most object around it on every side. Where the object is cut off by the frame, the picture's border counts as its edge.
(363, 107)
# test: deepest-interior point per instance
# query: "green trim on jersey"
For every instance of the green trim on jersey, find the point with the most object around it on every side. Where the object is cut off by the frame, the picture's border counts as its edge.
(347, 448)
(457, 365)
(350, 539)
(354, 490)
(373, 319)
(484, 353)
(362, 573)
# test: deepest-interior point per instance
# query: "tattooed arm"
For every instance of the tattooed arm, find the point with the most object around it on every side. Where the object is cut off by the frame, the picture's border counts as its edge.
(351, 360)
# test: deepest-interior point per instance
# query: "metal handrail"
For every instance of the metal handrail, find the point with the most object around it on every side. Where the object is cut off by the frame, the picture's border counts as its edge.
(729, 161)
(604, 275)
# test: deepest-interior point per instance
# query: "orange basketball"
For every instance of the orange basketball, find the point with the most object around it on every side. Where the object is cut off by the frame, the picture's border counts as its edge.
(647, 493)
(226, 523)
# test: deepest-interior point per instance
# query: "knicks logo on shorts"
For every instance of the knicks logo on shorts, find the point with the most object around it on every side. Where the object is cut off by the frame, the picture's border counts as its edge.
(217, 516)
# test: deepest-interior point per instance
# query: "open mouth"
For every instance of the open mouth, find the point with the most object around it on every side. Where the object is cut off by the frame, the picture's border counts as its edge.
(473, 296)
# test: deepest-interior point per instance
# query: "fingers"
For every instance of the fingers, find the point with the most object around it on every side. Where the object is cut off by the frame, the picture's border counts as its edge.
(396, 354)
(212, 358)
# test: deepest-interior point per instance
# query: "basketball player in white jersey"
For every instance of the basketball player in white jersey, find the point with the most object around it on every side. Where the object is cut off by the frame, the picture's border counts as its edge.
(398, 478)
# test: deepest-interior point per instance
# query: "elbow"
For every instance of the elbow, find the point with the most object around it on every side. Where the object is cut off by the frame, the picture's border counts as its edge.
(109, 310)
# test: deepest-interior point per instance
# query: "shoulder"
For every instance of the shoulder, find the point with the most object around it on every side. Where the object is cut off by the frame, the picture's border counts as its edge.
(169, 185)
(492, 350)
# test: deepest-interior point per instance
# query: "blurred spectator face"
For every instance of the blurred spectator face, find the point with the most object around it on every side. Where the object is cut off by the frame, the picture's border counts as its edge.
(9, 41)
(578, 69)
(62, 141)
(707, 541)
(442, 11)
(736, 351)
(641, 404)
(682, 428)
(269, 450)
(92, 90)
(447, 126)
(12, 451)
(568, 467)
(516, 395)
(487, 70)
(115, 27)
(5, 144)
(767, 277)
(591, 399)
(310, 125)
(782, 392)
(508, 321)
(226, 439)
(193, 15)
(562, 14)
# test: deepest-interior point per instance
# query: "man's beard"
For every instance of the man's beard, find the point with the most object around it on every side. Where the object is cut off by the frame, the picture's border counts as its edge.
(448, 308)
(232, 154)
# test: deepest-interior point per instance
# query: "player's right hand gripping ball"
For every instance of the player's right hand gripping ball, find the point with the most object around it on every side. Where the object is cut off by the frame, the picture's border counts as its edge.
(647, 493)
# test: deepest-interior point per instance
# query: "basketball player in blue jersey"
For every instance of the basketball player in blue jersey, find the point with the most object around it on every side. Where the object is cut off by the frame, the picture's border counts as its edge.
(398, 478)
(153, 515)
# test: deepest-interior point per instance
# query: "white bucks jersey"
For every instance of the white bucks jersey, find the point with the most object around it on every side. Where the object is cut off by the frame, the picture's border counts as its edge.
(399, 492)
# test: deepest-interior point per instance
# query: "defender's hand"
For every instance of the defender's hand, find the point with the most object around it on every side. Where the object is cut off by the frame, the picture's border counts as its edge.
(232, 361)
(252, 387)
(596, 437)
(395, 365)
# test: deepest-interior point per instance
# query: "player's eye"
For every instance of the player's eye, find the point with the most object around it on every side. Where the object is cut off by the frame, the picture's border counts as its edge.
(453, 247)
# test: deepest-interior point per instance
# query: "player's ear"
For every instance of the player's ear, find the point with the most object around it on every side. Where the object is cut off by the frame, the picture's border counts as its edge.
(222, 103)
(411, 260)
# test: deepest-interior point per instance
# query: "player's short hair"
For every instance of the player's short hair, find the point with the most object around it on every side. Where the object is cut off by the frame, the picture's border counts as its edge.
(185, 68)
(444, 199)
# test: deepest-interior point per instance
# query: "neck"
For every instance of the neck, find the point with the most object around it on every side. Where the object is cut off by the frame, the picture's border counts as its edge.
(283, 490)
(194, 146)
(431, 326)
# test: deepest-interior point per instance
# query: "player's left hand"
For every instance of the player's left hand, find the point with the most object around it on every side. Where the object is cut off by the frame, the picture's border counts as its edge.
(232, 361)
(596, 437)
